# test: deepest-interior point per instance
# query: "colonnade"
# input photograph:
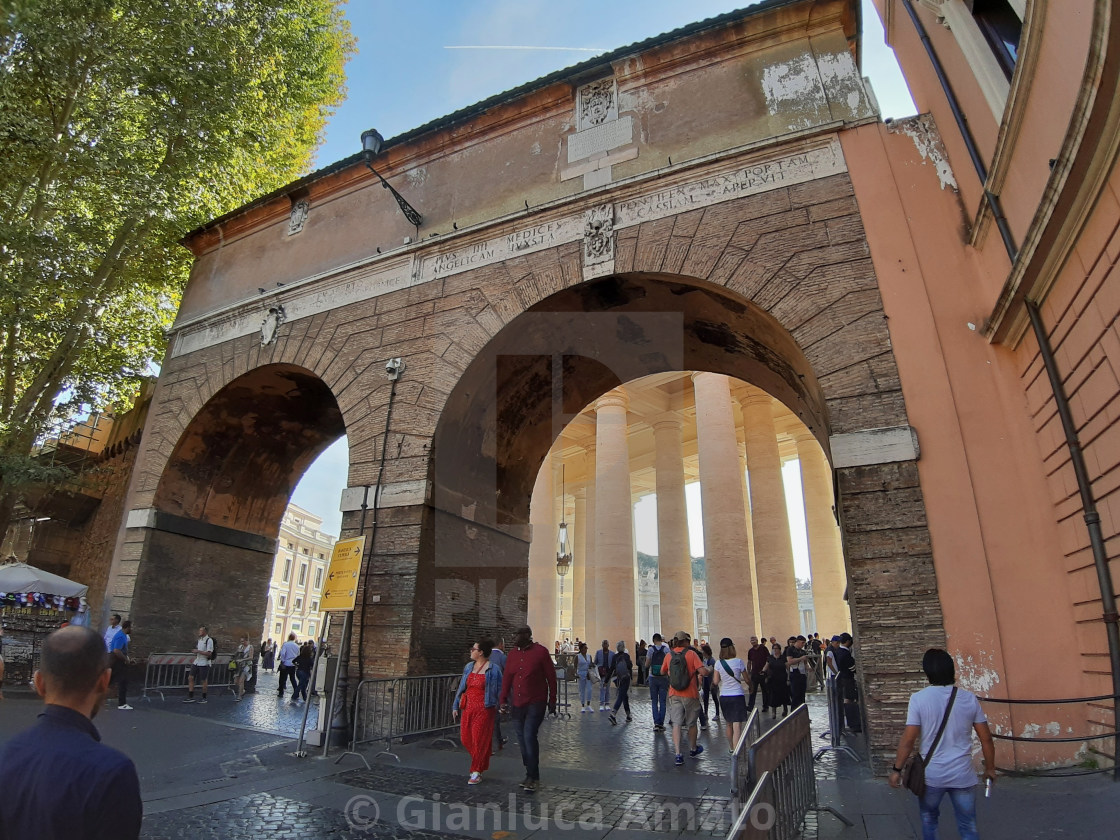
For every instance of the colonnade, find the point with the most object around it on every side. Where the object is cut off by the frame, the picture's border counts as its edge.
(656, 435)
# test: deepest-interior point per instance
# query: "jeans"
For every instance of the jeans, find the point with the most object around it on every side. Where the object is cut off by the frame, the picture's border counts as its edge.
(964, 806)
(797, 685)
(623, 695)
(304, 678)
(527, 720)
(709, 692)
(585, 690)
(756, 684)
(605, 691)
(659, 696)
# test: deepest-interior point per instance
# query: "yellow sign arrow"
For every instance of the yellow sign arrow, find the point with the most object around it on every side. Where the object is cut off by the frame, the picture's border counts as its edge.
(341, 587)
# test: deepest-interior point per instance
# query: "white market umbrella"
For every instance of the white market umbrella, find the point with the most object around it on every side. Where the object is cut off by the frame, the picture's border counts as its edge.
(19, 577)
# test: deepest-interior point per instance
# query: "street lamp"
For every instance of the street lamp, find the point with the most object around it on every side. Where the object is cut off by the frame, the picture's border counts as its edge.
(563, 548)
(371, 145)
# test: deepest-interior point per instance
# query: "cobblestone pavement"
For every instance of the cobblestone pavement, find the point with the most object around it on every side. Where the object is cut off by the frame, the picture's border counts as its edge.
(262, 710)
(250, 817)
(605, 808)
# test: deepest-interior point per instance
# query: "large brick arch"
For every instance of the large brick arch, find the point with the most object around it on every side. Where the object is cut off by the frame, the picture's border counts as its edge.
(776, 288)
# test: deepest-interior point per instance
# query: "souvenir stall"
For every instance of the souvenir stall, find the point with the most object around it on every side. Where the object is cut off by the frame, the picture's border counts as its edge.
(32, 604)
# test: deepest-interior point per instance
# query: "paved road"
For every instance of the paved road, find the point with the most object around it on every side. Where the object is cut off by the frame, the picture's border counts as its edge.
(206, 773)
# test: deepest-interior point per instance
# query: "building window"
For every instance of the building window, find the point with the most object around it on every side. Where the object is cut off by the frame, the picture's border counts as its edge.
(315, 607)
(305, 551)
(287, 569)
(318, 578)
(311, 628)
(290, 546)
(1001, 28)
(296, 625)
(279, 627)
(299, 604)
(321, 556)
(283, 601)
(302, 574)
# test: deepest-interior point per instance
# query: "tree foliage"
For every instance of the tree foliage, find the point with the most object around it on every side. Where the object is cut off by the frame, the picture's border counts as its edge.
(123, 125)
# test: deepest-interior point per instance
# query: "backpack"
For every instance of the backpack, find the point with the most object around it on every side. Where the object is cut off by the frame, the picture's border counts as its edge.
(212, 654)
(622, 666)
(656, 660)
(680, 677)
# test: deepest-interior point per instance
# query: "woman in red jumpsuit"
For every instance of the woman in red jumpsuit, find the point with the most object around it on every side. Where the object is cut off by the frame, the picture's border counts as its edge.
(477, 699)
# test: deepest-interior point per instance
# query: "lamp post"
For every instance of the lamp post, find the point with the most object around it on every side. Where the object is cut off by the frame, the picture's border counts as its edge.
(563, 564)
(371, 145)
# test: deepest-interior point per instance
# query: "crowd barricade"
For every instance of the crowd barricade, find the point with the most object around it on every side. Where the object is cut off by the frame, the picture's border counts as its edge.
(169, 672)
(784, 755)
(835, 724)
(741, 782)
(389, 710)
(755, 817)
(563, 704)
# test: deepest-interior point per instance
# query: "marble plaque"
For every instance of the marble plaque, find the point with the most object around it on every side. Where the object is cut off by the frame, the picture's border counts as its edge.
(525, 240)
(600, 138)
(758, 177)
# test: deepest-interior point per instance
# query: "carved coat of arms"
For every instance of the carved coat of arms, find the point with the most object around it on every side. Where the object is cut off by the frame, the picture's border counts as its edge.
(596, 102)
(598, 234)
(270, 326)
(300, 211)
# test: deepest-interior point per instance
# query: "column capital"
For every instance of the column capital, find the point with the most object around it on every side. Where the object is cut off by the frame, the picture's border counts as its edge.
(613, 399)
(668, 421)
(751, 397)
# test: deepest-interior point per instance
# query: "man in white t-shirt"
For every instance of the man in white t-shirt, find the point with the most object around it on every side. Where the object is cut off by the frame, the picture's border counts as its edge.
(200, 670)
(949, 770)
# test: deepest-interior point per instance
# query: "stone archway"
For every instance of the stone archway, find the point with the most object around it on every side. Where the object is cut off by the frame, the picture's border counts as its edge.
(209, 537)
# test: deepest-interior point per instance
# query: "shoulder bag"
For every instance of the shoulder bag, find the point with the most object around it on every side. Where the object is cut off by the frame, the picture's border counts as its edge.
(914, 768)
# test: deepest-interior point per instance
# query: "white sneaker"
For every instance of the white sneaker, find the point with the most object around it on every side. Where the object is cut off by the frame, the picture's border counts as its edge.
(124, 708)
(474, 779)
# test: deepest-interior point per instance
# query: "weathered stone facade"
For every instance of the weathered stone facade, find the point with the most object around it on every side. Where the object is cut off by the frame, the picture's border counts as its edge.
(746, 256)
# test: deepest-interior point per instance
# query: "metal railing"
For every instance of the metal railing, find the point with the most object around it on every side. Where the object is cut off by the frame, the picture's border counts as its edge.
(835, 724)
(389, 710)
(563, 704)
(1070, 739)
(741, 781)
(755, 817)
(786, 753)
(169, 672)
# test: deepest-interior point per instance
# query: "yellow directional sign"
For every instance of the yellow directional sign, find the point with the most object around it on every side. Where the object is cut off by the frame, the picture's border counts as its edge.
(341, 587)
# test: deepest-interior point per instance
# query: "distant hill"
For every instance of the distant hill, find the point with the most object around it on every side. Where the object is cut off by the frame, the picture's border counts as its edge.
(648, 563)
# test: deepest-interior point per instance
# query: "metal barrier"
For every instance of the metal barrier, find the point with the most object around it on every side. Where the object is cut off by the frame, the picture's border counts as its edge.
(741, 782)
(563, 704)
(1072, 739)
(835, 724)
(403, 707)
(169, 672)
(757, 815)
(786, 752)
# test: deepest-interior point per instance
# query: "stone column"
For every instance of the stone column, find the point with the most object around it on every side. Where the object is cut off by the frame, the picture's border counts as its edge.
(730, 594)
(777, 583)
(591, 564)
(614, 534)
(826, 555)
(741, 442)
(542, 558)
(674, 566)
(579, 566)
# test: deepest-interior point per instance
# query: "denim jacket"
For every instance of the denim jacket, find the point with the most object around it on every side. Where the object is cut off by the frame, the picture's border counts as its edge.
(493, 685)
(583, 665)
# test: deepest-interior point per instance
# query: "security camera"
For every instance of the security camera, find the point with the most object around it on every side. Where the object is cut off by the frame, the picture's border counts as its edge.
(394, 368)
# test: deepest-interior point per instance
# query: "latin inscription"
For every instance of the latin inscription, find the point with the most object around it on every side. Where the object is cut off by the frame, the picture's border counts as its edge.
(750, 180)
(522, 241)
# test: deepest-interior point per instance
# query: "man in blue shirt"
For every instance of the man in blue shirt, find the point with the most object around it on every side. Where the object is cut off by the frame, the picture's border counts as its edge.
(59, 781)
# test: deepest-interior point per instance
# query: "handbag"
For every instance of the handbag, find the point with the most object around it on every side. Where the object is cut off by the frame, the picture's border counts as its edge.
(914, 768)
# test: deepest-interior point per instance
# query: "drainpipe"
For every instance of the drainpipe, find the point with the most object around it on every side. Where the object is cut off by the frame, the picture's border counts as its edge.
(1061, 401)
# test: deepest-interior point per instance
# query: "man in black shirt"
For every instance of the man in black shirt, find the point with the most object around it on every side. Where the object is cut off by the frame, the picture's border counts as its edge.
(59, 781)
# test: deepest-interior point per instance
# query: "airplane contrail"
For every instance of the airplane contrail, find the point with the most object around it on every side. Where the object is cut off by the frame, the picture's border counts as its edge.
(504, 47)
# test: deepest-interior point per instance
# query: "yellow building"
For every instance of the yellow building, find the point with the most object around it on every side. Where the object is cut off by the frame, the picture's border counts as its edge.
(302, 555)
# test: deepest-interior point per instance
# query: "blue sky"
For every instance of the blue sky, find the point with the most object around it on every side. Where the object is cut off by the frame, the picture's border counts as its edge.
(405, 73)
